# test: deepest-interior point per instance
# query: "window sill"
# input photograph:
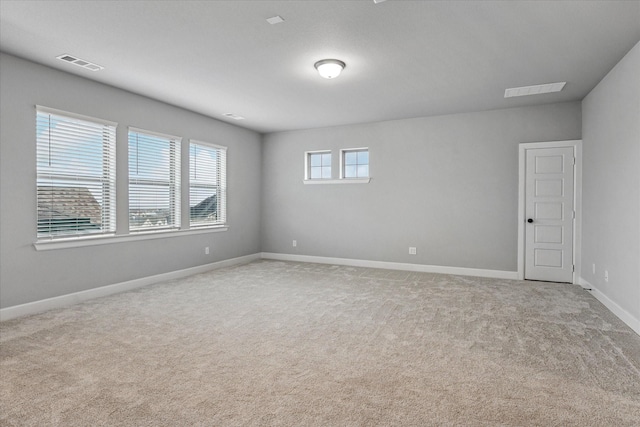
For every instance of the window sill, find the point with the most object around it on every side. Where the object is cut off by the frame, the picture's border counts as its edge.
(338, 181)
(77, 242)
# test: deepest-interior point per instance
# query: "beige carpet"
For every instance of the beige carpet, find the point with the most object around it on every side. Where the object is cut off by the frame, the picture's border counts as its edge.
(292, 344)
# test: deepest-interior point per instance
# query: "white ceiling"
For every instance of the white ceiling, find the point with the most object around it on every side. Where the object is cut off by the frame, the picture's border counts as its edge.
(404, 58)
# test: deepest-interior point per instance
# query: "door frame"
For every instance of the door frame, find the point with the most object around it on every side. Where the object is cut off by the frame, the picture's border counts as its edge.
(577, 200)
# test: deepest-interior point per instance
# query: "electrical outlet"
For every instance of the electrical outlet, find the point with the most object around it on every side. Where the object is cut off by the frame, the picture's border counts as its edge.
(412, 250)
(593, 269)
(206, 250)
(606, 275)
(295, 243)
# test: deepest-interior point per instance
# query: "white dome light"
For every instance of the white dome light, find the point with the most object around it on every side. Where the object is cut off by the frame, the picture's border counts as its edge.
(329, 68)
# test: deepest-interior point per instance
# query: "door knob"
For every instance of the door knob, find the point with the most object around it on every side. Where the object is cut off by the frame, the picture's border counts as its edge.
(530, 220)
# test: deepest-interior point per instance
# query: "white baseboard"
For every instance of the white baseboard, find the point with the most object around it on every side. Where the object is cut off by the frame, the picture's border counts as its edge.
(76, 297)
(461, 271)
(620, 312)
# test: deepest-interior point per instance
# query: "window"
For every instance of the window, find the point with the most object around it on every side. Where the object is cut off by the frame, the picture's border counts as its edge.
(318, 165)
(75, 174)
(355, 163)
(154, 181)
(207, 184)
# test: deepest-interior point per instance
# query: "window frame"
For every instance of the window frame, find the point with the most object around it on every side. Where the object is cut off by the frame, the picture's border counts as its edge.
(220, 186)
(307, 165)
(343, 163)
(107, 178)
(118, 219)
(173, 183)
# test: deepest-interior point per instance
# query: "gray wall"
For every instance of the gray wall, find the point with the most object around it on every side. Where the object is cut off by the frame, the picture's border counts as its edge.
(611, 184)
(447, 185)
(27, 275)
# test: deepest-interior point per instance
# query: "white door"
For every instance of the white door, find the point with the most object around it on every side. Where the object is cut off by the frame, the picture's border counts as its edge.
(549, 214)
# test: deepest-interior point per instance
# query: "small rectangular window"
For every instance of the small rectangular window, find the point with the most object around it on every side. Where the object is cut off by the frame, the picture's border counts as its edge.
(318, 165)
(207, 184)
(355, 163)
(76, 174)
(154, 181)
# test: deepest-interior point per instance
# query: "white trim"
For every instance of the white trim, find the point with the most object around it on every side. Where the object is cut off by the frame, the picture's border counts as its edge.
(75, 242)
(207, 144)
(460, 271)
(337, 181)
(177, 139)
(77, 297)
(577, 200)
(307, 171)
(620, 312)
(55, 112)
(577, 224)
(344, 150)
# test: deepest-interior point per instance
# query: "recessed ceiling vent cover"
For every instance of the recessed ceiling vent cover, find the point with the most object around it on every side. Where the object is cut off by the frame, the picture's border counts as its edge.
(233, 116)
(80, 62)
(534, 90)
(275, 20)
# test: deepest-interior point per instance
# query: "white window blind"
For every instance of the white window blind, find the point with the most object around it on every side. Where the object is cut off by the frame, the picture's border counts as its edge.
(154, 181)
(75, 174)
(207, 184)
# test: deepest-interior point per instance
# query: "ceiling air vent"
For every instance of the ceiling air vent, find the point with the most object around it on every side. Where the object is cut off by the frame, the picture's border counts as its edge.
(233, 116)
(80, 62)
(534, 90)
(275, 20)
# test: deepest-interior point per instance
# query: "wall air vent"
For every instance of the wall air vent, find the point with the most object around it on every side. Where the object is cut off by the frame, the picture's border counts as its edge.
(80, 62)
(534, 90)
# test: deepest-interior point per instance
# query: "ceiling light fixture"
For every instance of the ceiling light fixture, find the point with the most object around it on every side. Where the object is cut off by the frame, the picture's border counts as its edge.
(329, 68)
